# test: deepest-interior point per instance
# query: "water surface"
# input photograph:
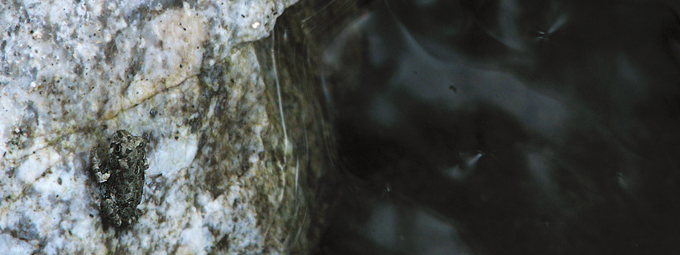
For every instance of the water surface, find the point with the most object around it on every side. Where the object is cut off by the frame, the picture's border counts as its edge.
(507, 127)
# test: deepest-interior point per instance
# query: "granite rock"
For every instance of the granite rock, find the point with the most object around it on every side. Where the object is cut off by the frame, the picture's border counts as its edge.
(222, 177)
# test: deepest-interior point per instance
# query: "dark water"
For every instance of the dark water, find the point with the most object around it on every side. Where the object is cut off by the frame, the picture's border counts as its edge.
(507, 127)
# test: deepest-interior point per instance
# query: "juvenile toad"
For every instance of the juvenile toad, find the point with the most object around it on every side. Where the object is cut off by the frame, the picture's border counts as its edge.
(119, 168)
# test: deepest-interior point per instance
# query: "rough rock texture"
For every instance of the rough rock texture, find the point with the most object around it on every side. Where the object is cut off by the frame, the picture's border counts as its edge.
(297, 44)
(222, 176)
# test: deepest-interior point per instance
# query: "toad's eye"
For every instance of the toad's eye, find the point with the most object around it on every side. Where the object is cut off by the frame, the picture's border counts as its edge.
(116, 148)
(128, 150)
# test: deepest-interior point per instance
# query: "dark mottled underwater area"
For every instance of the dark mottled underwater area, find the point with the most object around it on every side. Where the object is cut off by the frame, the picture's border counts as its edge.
(505, 127)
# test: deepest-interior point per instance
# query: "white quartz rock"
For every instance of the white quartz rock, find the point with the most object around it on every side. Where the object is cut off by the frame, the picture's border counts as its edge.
(183, 75)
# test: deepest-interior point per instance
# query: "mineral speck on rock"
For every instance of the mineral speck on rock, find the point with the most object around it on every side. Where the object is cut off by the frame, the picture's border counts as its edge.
(119, 170)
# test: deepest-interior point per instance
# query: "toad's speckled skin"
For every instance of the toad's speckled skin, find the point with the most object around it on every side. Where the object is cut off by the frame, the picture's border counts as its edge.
(120, 174)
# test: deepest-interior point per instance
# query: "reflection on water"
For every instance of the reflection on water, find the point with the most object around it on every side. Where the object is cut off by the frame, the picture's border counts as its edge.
(507, 127)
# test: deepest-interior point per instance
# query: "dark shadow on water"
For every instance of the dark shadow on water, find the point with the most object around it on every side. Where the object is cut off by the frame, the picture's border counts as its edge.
(495, 127)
